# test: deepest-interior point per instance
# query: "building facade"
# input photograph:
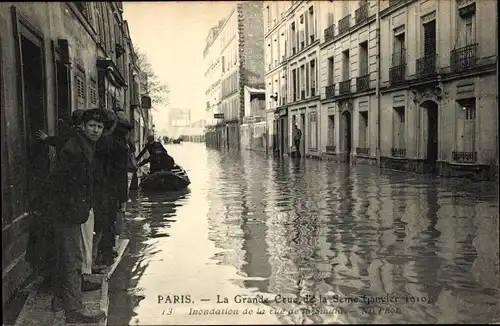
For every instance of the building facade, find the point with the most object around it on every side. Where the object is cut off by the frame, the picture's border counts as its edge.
(55, 58)
(349, 81)
(253, 128)
(292, 59)
(438, 87)
(418, 95)
(234, 58)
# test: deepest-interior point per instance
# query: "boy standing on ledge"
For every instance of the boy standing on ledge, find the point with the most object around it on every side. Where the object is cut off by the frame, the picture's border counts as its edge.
(69, 193)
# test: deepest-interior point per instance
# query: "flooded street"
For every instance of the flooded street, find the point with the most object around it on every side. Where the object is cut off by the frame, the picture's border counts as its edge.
(308, 242)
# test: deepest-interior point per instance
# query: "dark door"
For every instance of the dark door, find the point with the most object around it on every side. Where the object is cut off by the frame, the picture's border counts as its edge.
(303, 139)
(432, 137)
(347, 136)
(37, 154)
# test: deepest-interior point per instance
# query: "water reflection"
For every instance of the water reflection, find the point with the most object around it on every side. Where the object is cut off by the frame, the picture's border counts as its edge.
(148, 218)
(310, 228)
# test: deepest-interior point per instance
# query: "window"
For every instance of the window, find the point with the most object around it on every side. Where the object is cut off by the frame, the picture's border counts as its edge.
(363, 58)
(398, 56)
(313, 131)
(466, 125)
(331, 130)
(313, 77)
(430, 39)
(293, 38)
(330, 19)
(467, 25)
(398, 128)
(308, 76)
(363, 129)
(268, 17)
(312, 25)
(80, 89)
(93, 92)
(345, 65)
(294, 85)
(302, 40)
(345, 8)
(331, 72)
(302, 81)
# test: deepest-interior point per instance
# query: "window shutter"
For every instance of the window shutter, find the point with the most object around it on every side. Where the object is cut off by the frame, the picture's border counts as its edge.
(430, 38)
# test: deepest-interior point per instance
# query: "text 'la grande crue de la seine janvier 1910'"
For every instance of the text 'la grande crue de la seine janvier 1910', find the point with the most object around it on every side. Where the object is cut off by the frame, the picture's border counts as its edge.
(330, 304)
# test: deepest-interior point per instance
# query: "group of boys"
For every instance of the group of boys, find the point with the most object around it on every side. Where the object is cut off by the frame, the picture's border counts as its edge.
(80, 198)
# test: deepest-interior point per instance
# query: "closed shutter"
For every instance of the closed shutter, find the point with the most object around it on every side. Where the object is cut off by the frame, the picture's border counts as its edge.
(430, 38)
(80, 88)
(307, 79)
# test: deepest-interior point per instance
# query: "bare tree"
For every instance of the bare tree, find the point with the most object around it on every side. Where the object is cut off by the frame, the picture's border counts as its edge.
(150, 83)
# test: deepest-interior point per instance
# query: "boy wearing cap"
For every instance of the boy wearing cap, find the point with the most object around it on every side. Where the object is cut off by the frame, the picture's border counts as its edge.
(70, 190)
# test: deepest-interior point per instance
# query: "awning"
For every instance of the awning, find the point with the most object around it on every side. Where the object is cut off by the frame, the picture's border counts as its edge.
(255, 90)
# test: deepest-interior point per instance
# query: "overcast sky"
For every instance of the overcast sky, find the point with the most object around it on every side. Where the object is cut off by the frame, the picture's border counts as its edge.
(172, 35)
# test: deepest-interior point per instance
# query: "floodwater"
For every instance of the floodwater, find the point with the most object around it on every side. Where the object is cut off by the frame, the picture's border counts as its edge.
(307, 241)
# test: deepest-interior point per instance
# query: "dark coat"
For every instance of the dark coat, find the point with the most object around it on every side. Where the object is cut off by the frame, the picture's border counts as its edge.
(102, 168)
(68, 192)
(118, 174)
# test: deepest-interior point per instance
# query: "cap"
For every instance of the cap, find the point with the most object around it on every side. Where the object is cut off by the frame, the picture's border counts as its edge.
(94, 114)
(122, 119)
(76, 116)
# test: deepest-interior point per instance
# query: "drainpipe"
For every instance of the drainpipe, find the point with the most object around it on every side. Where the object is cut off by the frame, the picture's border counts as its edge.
(377, 87)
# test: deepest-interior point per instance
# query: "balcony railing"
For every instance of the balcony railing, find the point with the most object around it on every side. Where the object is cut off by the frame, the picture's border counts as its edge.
(362, 151)
(426, 65)
(397, 74)
(361, 14)
(345, 86)
(344, 23)
(398, 152)
(464, 157)
(464, 58)
(363, 83)
(330, 91)
(330, 148)
(330, 33)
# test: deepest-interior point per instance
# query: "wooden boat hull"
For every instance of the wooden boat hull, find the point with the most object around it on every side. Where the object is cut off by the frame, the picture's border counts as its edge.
(174, 180)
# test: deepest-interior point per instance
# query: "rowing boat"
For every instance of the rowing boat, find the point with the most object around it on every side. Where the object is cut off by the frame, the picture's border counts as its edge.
(173, 180)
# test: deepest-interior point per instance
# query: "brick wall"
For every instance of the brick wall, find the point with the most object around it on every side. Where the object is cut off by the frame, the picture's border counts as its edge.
(251, 49)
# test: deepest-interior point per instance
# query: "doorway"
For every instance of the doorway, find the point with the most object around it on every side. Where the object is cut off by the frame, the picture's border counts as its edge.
(432, 135)
(33, 88)
(347, 135)
(302, 128)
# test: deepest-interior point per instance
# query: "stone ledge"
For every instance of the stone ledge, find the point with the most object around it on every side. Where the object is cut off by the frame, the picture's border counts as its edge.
(37, 309)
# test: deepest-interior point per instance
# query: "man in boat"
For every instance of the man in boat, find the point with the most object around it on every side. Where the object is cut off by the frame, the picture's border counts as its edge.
(158, 159)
